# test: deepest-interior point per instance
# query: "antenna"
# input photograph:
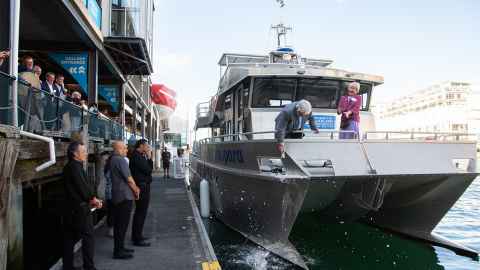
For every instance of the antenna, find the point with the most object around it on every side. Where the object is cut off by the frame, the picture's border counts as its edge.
(281, 30)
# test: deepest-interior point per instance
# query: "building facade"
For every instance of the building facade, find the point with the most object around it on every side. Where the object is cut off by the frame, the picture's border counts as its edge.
(103, 50)
(113, 39)
(449, 106)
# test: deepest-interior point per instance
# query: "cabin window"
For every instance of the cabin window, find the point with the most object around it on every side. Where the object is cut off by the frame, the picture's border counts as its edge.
(320, 93)
(273, 92)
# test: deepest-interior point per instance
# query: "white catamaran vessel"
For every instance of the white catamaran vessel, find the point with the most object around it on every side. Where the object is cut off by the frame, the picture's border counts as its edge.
(403, 182)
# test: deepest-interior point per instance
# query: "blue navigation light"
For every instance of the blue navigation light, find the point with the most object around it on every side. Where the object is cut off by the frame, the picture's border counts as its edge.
(285, 49)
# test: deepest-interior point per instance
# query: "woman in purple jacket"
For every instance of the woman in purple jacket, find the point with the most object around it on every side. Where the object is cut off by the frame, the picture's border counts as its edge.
(349, 108)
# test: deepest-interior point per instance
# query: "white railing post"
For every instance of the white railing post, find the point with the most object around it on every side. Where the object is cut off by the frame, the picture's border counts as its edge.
(14, 40)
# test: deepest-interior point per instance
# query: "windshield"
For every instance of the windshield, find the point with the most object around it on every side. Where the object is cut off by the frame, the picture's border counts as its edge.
(322, 93)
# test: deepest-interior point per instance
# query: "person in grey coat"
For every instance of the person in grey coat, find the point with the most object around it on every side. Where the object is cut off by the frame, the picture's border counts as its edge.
(290, 121)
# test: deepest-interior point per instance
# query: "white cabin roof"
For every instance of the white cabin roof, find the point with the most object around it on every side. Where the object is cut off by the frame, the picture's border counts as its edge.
(235, 58)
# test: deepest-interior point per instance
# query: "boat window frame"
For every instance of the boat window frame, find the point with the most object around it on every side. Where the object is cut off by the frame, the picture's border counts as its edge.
(342, 83)
(337, 91)
(252, 91)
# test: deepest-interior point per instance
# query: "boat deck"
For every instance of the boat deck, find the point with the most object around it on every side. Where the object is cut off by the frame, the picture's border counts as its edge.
(179, 240)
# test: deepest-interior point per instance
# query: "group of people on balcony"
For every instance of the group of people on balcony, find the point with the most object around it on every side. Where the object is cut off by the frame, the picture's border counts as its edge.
(290, 121)
(38, 100)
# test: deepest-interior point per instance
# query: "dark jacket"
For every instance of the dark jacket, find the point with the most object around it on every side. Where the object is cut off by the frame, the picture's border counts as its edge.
(45, 87)
(78, 190)
(22, 68)
(141, 168)
(59, 91)
(166, 157)
(288, 120)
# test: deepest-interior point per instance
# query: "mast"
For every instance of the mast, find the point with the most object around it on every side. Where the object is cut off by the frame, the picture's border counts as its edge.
(281, 31)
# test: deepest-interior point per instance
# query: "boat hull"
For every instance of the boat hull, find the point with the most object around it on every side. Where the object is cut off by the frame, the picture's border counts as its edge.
(264, 206)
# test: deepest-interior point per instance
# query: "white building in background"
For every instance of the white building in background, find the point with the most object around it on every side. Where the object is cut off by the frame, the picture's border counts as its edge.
(449, 106)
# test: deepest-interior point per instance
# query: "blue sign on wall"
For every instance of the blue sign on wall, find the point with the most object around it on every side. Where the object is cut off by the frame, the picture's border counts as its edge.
(323, 121)
(95, 12)
(110, 94)
(75, 64)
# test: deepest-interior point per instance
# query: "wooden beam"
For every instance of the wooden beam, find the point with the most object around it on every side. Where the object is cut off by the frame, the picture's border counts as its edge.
(25, 170)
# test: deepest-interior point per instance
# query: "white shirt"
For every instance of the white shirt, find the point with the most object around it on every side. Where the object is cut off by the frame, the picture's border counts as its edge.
(50, 86)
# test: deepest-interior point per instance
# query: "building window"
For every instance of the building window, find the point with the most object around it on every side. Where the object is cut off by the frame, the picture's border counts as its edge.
(228, 101)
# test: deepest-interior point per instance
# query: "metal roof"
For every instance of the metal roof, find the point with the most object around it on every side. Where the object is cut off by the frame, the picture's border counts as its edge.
(130, 54)
(235, 58)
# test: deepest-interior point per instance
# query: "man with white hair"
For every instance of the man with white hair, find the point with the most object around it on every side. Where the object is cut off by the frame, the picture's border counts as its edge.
(290, 121)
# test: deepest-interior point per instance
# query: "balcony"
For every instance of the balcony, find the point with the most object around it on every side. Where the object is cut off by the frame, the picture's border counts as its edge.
(130, 37)
(46, 114)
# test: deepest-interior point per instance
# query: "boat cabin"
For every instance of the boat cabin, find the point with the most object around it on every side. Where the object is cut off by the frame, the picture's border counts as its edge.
(254, 88)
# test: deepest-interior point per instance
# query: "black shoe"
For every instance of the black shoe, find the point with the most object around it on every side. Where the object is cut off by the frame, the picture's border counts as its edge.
(141, 244)
(140, 239)
(144, 238)
(122, 255)
(129, 250)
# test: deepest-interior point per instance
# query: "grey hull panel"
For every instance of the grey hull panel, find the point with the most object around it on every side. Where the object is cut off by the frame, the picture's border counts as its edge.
(415, 212)
(264, 211)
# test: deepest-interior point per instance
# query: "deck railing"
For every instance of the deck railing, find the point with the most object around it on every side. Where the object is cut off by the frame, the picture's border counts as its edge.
(42, 112)
(352, 136)
(6, 107)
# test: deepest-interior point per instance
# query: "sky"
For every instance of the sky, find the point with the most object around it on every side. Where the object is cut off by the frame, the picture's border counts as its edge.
(413, 44)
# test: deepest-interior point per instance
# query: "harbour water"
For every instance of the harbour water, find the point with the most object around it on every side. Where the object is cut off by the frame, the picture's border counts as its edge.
(356, 246)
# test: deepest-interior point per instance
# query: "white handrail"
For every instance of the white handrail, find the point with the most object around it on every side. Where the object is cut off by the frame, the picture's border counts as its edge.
(51, 146)
(436, 136)
(330, 132)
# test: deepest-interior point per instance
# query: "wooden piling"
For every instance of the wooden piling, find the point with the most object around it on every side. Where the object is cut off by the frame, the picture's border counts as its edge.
(11, 251)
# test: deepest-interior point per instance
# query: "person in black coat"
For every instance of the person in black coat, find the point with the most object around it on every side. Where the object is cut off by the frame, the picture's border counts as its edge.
(141, 167)
(79, 199)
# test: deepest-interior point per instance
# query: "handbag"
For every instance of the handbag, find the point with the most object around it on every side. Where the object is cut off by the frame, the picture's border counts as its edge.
(344, 123)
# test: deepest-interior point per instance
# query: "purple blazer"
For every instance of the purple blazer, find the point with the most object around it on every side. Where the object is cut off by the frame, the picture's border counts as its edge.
(353, 105)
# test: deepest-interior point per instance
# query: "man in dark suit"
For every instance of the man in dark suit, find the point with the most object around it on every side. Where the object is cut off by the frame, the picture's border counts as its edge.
(49, 84)
(79, 199)
(141, 166)
(59, 87)
(49, 103)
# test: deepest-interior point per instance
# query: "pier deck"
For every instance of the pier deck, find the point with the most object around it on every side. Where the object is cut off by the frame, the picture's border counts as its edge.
(178, 240)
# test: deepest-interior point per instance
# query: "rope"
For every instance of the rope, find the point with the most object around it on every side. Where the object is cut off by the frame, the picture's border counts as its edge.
(30, 116)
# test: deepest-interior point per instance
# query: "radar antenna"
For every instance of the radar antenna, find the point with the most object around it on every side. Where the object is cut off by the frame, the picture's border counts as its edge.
(281, 31)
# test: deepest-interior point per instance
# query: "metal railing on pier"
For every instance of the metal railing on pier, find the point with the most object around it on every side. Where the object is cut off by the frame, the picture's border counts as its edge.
(43, 113)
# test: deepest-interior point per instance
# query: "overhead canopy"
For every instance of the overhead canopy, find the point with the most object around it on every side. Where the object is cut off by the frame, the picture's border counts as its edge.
(131, 55)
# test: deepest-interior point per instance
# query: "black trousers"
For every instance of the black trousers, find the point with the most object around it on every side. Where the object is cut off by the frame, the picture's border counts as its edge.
(109, 213)
(78, 224)
(294, 135)
(121, 215)
(141, 209)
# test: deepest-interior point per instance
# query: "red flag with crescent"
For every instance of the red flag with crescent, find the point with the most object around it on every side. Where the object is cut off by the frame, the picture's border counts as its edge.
(162, 95)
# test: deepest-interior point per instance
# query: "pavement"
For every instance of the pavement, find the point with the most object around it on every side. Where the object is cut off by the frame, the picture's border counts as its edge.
(174, 232)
